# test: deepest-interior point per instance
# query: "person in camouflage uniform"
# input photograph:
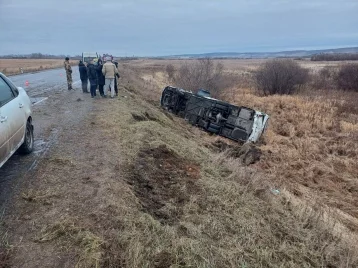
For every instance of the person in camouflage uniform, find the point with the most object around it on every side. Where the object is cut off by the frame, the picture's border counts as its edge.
(68, 72)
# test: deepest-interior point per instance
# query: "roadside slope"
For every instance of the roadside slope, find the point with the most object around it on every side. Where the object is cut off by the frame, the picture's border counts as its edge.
(132, 186)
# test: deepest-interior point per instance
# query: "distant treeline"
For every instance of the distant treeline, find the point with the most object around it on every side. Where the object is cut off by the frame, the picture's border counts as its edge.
(38, 56)
(334, 57)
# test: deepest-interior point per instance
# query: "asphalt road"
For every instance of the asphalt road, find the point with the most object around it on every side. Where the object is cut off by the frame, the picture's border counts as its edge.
(55, 109)
(40, 83)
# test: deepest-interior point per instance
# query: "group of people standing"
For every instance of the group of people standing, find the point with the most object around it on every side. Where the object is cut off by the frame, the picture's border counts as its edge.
(104, 76)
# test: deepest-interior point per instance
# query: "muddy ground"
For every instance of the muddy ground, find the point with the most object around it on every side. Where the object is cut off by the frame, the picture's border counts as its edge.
(55, 111)
(53, 108)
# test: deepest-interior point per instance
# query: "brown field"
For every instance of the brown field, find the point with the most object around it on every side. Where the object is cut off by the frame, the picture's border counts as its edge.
(143, 188)
(311, 143)
(12, 66)
(310, 150)
(230, 64)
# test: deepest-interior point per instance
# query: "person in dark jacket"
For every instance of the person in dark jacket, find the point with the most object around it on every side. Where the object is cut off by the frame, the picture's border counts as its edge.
(83, 76)
(92, 76)
(101, 79)
(116, 79)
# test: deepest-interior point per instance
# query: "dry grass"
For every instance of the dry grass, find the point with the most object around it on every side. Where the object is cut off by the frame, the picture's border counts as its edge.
(310, 147)
(69, 235)
(12, 66)
(157, 194)
(231, 65)
(233, 220)
(5, 250)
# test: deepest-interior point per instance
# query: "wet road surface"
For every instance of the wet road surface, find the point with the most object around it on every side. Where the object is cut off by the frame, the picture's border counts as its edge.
(40, 83)
(55, 109)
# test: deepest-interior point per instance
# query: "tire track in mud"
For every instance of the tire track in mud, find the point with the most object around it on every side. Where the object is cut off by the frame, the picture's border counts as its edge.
(12, 176)
(49, 122)
(52, 140)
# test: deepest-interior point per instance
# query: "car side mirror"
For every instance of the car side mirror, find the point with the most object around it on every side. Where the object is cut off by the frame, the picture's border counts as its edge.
(16, 91)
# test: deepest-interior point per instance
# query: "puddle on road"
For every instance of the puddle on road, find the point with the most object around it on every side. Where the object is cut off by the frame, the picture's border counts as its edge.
(38, 100)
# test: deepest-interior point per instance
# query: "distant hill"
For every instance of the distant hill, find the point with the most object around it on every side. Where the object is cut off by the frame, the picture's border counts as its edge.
(260, 55)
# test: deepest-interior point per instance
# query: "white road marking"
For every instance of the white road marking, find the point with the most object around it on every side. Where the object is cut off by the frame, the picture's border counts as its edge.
(39, 101)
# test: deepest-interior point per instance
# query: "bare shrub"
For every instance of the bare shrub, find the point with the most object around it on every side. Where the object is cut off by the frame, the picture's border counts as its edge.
(170, 69)
(326, 78)
(203, 73)
(334, 57)
(346, 103)
(343, 78)
(347, 77)
(280, 77)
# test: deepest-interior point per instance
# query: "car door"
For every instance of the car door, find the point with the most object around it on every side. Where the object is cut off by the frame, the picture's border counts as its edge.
(12, 115)
(4, 137)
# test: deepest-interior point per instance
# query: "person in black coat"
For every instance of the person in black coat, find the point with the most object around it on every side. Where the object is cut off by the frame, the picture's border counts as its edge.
(100, 78)
(83, 76)
(116, 79)
(92, 76)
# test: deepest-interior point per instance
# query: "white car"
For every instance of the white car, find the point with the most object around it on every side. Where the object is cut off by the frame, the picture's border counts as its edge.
(16, 129)
(88, 56)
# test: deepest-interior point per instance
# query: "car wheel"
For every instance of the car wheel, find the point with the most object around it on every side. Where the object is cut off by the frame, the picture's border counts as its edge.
(28, 145)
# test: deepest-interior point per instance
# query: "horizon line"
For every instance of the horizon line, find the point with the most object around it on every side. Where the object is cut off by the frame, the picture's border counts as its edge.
(199, 53)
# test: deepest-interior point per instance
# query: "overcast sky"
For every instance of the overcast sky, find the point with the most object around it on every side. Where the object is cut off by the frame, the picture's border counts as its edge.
(167, 27)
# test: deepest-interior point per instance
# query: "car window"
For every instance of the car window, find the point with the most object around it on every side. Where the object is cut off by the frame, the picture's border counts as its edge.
(6, 93)
(12, 86)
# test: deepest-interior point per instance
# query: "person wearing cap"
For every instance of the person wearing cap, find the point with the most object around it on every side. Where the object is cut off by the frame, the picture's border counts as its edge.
(92, 77)
(109, 71)
(68, 72)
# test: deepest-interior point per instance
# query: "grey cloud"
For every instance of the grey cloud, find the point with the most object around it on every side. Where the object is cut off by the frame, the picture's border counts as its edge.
(143, 27)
